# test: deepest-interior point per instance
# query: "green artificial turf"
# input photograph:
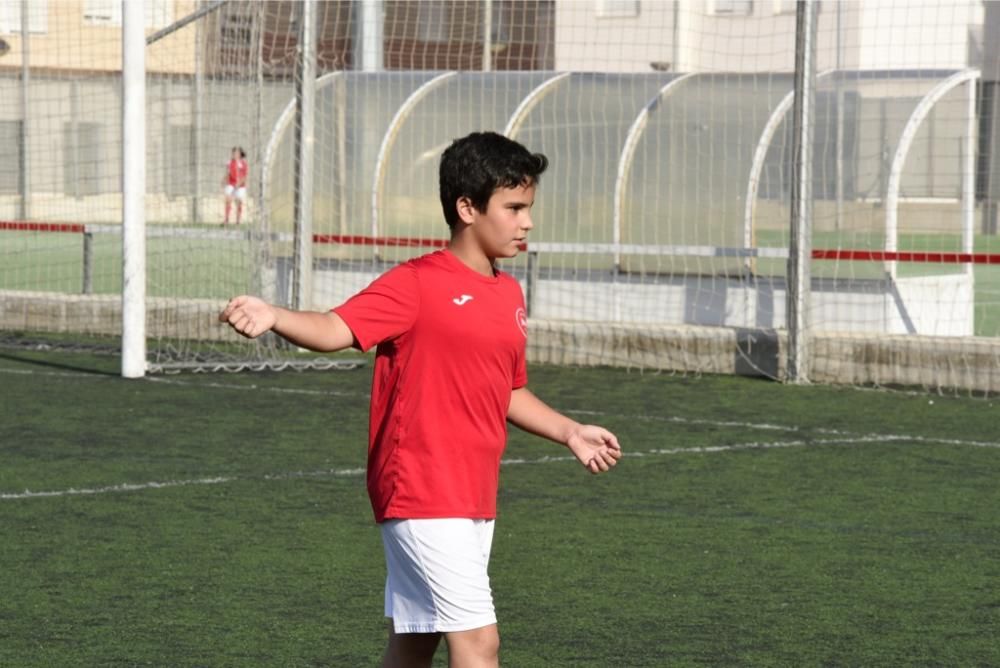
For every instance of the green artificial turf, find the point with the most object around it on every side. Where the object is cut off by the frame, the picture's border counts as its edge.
(751, 523)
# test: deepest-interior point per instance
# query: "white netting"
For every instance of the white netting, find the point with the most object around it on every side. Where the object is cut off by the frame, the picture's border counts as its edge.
(662, 229)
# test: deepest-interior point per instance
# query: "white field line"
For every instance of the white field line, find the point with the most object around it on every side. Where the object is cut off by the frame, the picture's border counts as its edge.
(660, 418)
(764, 426)
(58, 374)
(256, 388)
(353, 472)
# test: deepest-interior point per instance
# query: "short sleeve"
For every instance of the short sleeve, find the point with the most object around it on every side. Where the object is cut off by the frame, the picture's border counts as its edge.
(520, 361)
(520, 370)
(385, 309)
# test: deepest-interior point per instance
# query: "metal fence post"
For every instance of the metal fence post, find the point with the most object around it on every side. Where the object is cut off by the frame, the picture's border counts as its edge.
(800, 246)
(88, 263)
(531, 284)
(25, 111)
(305, 97)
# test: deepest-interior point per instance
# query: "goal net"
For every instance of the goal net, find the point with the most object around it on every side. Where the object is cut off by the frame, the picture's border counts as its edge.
(662, 234)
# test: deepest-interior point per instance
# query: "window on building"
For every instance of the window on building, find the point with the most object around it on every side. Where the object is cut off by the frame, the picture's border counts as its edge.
(606, 9)
(236, 26)
(730, 7)
(784, 6)
(158, 13)
(610, 9)
(10, 16)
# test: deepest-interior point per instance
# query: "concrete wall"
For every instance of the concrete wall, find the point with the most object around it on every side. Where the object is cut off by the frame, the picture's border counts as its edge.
(971, 364)
(940, 305)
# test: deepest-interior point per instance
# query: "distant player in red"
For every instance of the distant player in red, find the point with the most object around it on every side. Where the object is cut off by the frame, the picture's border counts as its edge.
(450, 330)
(234, 185)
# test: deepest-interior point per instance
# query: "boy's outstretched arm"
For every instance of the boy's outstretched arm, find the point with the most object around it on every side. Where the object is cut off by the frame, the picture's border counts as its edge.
(595, 447)
(322, 332)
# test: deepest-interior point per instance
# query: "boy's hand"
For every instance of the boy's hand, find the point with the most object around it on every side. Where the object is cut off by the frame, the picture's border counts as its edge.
(249, 316)
(595, 447)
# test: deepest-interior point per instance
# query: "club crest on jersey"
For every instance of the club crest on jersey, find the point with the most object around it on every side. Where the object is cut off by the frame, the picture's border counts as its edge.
(521, 318)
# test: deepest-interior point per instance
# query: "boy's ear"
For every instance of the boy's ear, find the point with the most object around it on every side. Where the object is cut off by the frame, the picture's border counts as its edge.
(466, 210)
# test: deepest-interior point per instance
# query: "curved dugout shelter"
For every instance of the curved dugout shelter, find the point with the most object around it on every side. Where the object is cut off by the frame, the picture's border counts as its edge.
(667, 198)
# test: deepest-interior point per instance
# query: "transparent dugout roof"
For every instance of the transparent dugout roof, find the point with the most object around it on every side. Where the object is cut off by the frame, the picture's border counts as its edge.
(684, 152)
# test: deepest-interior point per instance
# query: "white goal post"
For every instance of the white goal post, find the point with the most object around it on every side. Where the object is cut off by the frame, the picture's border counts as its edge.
(666, 211)
(133, 191)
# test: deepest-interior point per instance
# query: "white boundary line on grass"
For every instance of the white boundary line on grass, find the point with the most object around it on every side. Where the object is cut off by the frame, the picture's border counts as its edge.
(764, 426)
(58, 374)
(258, 388)
(660, 418)
(353, 472)
(350, 472)
(848, 438)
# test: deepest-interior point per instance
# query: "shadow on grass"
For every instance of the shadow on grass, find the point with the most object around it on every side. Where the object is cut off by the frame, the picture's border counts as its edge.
(67, 365)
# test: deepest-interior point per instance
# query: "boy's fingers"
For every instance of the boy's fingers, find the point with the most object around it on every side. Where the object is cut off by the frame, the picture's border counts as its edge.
(233, 304)
(241, 322)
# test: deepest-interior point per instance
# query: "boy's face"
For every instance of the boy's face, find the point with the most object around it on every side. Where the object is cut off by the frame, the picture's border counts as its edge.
(505, 224)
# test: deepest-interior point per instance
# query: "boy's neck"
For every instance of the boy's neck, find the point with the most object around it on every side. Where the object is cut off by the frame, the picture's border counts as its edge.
(471, 254)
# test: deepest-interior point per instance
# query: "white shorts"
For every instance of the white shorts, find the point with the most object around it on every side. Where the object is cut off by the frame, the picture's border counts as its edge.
(437, 580)
(238, 193)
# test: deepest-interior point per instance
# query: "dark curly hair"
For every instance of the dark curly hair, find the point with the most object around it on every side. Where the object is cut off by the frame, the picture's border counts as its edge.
(476, 165)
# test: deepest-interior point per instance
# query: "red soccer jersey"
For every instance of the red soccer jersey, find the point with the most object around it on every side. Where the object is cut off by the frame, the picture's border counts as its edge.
(237, 172)
(451, 348)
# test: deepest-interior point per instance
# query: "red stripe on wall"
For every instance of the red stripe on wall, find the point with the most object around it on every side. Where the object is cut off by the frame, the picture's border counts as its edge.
(905, 256)
(28, 226)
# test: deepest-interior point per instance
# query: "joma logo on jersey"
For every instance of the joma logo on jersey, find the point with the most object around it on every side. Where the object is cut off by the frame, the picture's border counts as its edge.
(462, 300)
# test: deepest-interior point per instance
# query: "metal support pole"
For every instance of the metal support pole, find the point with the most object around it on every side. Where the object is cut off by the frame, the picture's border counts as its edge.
(260, 237)
(487, 7)
(208, 8)
(839, 138)
(969, 174)
(25, 112)
(133, 191)
(371, 42)
(305, 112)
(197, 116)
(88, 263)
(531, 283)
(340, 183)
(990, 122)
(989, 146)
(371, 59)
(73, 146)
(800, 248)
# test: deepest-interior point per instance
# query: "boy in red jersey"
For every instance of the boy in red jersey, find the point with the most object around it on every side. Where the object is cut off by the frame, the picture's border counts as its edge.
(234, 185)
(450, 331)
